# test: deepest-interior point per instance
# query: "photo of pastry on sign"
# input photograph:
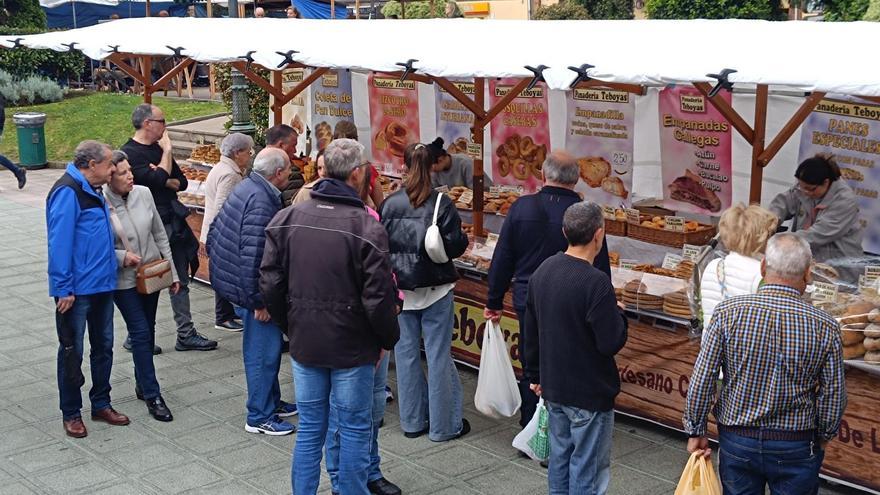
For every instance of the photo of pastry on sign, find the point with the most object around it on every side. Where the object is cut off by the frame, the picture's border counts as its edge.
(596, 171)
(688, 188)
(394, 138)
(521, 157)
(394, 120)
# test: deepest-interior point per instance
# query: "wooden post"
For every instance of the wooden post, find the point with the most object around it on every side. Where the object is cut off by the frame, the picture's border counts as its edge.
(210, 8)
(727, 111)
(276, 108)
(333, 9)
(796, 120)
(479, 125)
(147, 13)
(357, 9)
(757, 175)
(147, 72)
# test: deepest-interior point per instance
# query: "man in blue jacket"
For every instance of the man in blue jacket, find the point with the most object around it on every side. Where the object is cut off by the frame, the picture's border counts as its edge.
(532, 232)
(235, 247)
(82, 278)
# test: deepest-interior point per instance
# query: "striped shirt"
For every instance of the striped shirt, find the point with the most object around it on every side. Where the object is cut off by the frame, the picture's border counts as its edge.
(782, 362)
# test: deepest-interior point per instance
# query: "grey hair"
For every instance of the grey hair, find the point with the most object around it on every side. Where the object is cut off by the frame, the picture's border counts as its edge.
(341, 157)
(788, 255)
(269, 161)
(562, 168)
(140, 114)
(89, 150)
(234, 143)
(581, 221)
(118, 156)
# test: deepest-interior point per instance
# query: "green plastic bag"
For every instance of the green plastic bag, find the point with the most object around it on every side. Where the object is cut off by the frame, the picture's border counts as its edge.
(534, 440)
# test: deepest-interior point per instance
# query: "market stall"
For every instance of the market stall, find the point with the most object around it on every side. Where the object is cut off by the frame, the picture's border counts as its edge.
(505, 111)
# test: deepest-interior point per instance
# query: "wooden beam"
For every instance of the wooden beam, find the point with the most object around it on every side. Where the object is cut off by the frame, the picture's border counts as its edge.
(257, 79)
(873, 99)
(147, 72)
(277, 81)
(757, 175)
(509, 97)
(477, 130)
(796, 120)
(302, 86)
(727, 111)
(452, 89)
(165, 79)
(415, 77)
(119, 60)
(629, 88)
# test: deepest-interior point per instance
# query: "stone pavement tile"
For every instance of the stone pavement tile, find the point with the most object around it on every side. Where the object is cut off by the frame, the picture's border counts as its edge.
(42, 355)
(508, 479)
(23, 438)
(391, 439)
(276, 481)
(14, 377)
(662, 461)
(75, 478)
(49, 456)
(142, 458)
(497, 440)
(223, 367)
(104, 439)
(9, 419)
(202, 392)
(624, 443)
(232, 410)
(458, 460)
(19, 487)
(411, 477)
(181, 478)
(190, 358)
(450, 489)
(226, 488)
(121, 488)
(644, 429)
(628, 481)
(20, 342)
(213, 438)
(254, 458)
(7, 362)
(186, 419)
(235, 378)
(480, 423)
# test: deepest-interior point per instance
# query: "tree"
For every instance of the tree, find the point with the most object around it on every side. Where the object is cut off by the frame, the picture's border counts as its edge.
(609, 9)
(713, 9)
(419, 10)
(844, 10)
(564, 10)
(22, 14)
(873, 13)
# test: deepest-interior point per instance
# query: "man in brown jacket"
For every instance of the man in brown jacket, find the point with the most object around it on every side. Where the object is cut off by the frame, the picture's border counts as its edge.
(326, 277)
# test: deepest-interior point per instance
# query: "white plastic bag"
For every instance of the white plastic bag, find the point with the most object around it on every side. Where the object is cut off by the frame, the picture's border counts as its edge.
(534, 440)
(497, 391)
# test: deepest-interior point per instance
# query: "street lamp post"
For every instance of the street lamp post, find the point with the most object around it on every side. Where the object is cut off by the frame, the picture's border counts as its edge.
(241, 113)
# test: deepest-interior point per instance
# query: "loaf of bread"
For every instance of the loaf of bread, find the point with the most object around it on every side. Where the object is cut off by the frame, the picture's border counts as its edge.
(874, 315)
(872, 357)
(872, 344)
(873, 331)
(854, 351)
(851, 337)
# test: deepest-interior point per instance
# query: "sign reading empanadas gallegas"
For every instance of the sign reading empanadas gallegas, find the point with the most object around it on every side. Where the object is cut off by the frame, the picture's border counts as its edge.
(454, 120)
(294, 112)
(695, 150)
(331, 103)
(394, 120)
(520, 136)
(599, 132)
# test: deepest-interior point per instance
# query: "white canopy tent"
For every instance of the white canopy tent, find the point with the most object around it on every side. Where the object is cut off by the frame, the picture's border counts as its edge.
(805, 56)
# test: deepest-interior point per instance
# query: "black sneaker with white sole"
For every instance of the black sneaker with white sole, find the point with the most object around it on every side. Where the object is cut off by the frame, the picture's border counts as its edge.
(195, 342)
(229, 326)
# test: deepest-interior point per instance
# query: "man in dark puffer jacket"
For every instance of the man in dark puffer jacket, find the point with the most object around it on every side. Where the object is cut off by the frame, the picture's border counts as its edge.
(235, 247)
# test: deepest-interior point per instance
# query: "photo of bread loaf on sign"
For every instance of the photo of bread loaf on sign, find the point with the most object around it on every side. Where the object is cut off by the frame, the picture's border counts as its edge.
(689, 189)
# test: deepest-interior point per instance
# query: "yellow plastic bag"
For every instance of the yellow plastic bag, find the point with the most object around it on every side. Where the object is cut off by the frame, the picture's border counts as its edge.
(698, 478)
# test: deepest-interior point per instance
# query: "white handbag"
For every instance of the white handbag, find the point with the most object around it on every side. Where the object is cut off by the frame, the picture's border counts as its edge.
(433, 238)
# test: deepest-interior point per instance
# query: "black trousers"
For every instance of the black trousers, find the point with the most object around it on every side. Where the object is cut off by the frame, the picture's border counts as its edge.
(529, 399)
(223, 310)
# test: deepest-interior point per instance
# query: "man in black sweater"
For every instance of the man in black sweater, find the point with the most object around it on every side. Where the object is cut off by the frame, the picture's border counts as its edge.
(153, 166)
(532, 232)
(574, 328)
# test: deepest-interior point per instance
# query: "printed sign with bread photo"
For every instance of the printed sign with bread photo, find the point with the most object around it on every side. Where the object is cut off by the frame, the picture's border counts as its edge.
(394, 120)
(520, 136)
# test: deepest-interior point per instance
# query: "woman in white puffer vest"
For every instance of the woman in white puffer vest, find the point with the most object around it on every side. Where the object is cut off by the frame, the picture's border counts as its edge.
(744, 232)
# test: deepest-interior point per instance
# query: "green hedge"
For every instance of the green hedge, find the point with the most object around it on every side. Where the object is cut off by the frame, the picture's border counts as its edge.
(609, 9)
(257, 96)
(23, 62)
(845, 10)
(564, 10)
(22, 14)
(713, 9)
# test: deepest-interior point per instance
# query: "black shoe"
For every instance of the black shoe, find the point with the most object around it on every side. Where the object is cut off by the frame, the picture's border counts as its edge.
(159, 410)
(138, 392)
(465, 429)
(415, 434)
(545, 464)
(127, 346)
(195, 342)
(383, 487)
(21, 175)
(231, 325)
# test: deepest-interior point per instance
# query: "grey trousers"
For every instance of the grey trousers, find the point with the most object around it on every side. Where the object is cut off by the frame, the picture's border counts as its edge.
(180, 301)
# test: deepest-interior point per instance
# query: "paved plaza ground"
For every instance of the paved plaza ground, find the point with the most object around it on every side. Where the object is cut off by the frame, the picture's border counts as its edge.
(205, 449)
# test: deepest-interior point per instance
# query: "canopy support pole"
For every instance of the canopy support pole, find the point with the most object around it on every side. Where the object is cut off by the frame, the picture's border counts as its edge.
(727, 111)
(174, 73)
(299, 88)
(477, 137)
(256, 79)
(757, 175)
(277, 81)
(119, 60)
(796, 120)
(146, 71)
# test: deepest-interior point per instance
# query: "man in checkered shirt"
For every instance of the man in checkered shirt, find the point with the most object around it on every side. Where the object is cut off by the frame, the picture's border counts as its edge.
(783, 391)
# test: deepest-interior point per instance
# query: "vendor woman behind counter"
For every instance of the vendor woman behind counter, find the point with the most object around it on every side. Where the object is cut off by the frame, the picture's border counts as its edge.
(823, 209)
(452, 170)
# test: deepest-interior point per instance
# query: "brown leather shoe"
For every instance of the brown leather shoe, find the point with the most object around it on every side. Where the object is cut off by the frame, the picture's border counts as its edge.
(75, 428)
(109, 415)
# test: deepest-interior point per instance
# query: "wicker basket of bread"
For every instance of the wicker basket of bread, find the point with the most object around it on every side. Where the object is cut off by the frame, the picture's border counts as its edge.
(653, 230)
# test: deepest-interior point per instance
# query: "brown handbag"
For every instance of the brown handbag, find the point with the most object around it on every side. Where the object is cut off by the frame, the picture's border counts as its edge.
(152, 276)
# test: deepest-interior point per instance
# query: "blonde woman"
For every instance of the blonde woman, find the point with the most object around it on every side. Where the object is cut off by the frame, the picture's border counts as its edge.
(744, 232)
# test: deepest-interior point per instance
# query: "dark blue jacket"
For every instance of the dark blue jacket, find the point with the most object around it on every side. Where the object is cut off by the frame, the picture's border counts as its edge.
(532, 232)
(236, 240)
(82, 259)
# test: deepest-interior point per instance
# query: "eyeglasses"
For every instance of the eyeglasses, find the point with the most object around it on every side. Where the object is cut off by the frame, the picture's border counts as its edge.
(161, 121)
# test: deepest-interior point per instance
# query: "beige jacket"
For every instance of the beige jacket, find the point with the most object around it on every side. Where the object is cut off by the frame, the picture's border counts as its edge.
(224, 176)
(304, 194)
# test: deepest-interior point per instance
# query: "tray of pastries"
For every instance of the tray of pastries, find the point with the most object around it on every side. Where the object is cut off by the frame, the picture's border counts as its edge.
(205, 153)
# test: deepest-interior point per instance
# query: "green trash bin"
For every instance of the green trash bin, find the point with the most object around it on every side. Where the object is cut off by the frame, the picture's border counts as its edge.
(31, 139)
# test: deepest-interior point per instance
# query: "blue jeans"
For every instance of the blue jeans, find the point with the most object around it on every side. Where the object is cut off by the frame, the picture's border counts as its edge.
(261, 348)
(580, 450)
(349, 394)
(332, 447)
(437, 400)
(96, 310)
(747, 465)
(139, 312)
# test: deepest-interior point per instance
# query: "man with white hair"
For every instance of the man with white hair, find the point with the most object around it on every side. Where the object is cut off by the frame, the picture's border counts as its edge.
(235, 246)
(327, 275)
(259, 12)
(784, 389)
(236, 150)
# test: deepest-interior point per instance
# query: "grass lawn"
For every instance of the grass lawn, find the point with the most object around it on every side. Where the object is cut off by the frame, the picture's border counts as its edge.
(102, 116)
